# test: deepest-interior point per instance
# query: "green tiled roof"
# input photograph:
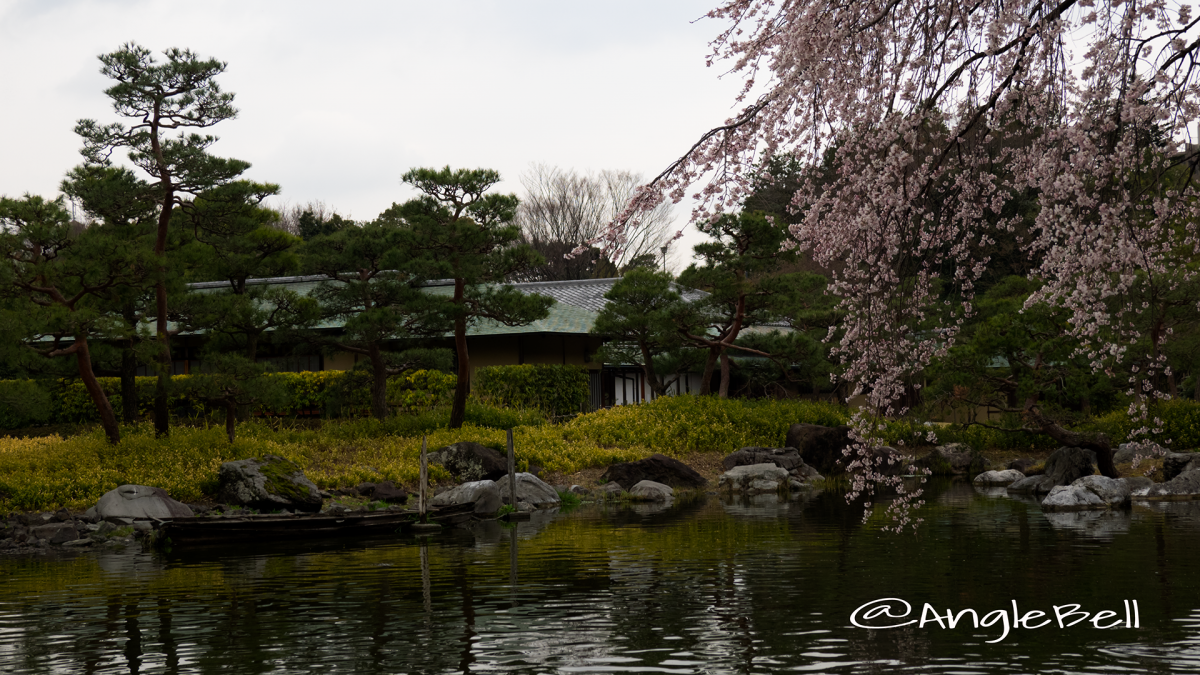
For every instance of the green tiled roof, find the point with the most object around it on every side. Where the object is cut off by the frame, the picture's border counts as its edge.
(563, 318)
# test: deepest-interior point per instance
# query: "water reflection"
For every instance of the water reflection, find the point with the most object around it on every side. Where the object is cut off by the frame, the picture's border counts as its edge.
(718, 586)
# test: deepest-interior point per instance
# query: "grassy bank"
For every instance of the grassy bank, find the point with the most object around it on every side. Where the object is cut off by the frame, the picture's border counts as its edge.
(49, 472)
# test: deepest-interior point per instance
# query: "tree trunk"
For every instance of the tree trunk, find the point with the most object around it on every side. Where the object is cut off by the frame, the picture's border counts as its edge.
(1095, 441)
(129, 397)
(162, 414)
(709, 366)
(108, 420)
(230, 419)
(724, 392)
(458, 410)
(379, 409)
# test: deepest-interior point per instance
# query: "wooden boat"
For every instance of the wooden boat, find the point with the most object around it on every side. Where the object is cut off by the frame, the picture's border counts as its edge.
(202, 530)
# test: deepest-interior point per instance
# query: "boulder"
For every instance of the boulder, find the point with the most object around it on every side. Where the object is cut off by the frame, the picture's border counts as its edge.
(268, 484)
(1126, 452)
(754, 479)
(139, 501)
(953, 459)
(485, 494)
(1184, 486)
(1031, 485)
(788, 459)
(56, 533)
(1089, 492)
(531, 490)
(820, 447)
(383, 492)
(469, 461)
(579, 490)
(1138, 485)
(1175, 463)
(999, 478)
(1022, 464)
(1066, 465)
(610, 491)
(650, 491)
(656, 468)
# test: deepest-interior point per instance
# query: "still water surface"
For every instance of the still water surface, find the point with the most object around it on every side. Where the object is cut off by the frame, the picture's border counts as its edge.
(707, 587)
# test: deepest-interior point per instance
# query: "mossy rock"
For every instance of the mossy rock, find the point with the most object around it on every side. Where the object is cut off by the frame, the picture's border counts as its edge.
(268, 484)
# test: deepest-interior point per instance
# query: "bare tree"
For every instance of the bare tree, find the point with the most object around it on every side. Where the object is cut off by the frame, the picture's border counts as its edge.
(563, 210)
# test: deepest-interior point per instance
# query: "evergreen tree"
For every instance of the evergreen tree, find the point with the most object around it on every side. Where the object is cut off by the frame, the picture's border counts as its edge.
(464, 234)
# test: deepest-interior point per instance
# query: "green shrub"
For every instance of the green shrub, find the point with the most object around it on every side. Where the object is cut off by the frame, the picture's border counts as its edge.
(322, 393)
(557, 390)
(1180, 424)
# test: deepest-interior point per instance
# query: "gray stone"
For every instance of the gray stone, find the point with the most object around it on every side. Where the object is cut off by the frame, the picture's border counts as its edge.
(953, 459)
(55, 533)
(650, 491)
(139, 501)
(1184, 486)
(753, 479)
(1126, 452)
(483, 493)
(1175, 463)
(469, 461)
(530, 489)
(1031, 485)
(579, 490)
(1066, 465)
(1138, 485)
(1089, 492)
(1021, 464)
(998, 478)
(820, 447)
(268, 484)
(784, 458)
(611, 490)
(656, 468)
(77, 542)
(385, 491)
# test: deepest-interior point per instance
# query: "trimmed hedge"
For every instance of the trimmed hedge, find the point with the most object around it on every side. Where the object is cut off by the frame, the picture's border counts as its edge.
(556, 390)
(315, 393)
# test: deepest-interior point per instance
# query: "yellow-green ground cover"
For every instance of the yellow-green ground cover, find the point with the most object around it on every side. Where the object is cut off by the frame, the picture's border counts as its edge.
(51, 472)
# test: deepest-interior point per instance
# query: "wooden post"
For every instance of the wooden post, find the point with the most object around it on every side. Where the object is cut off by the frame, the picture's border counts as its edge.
(512, 472)
(424, 477)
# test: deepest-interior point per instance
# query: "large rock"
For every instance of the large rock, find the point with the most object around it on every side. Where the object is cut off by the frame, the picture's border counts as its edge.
(1066, 465)
(1175, 463)
(650, 491)
(469, 461)
(954, 459)
(1031, 485)
(656, 468)
(1126, 452)
(383, 492)
(754, 479)
(268, 484)
(530, 490)
(485, 494)
(788, 459)
(55, 533)
(820, 447)
(139, 501)
(998, 478)
(1184, 486)
(1089, 492)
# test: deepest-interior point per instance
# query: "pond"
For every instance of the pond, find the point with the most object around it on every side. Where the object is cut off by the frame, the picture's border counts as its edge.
(708, 586)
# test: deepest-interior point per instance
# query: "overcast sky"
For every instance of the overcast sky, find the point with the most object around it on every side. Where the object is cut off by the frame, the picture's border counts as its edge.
(337, 100)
